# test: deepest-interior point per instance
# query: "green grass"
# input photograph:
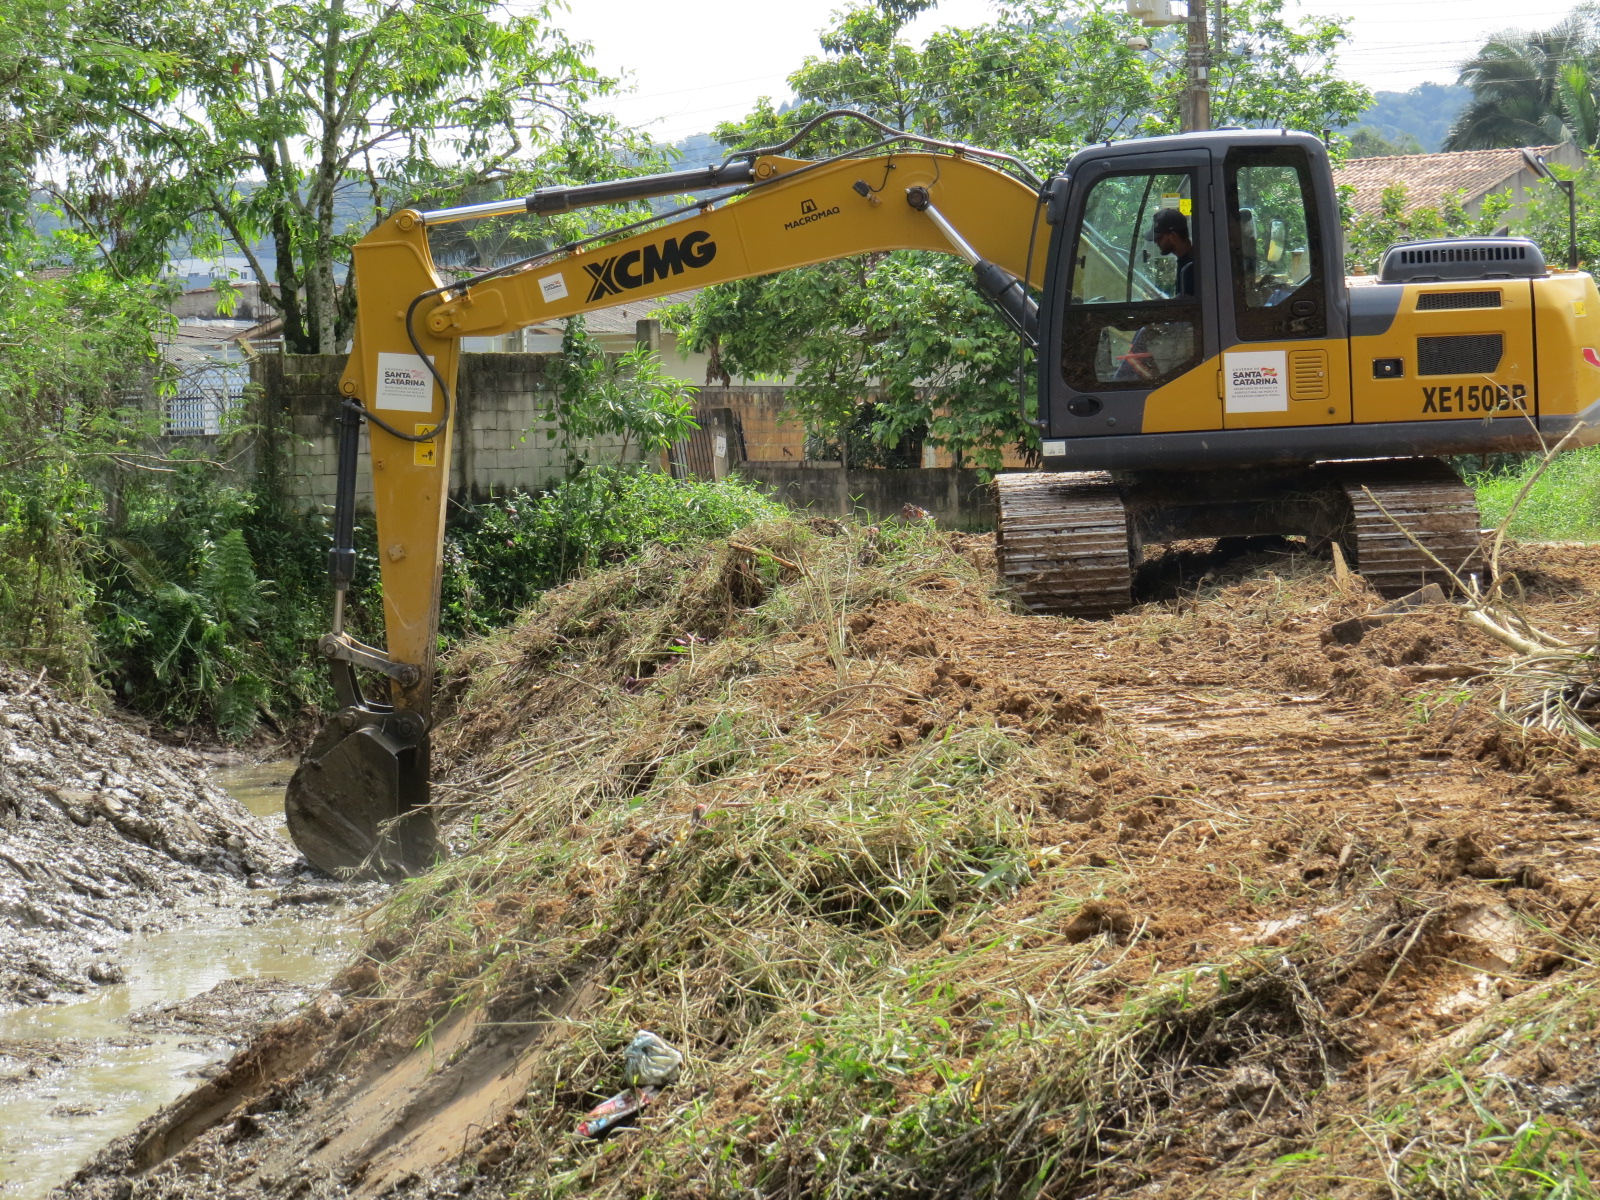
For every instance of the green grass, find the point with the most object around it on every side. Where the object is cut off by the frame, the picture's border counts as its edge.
(1564, 504)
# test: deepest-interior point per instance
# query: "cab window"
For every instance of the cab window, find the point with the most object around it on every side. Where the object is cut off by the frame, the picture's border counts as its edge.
(1133, 318)
(1275, 246)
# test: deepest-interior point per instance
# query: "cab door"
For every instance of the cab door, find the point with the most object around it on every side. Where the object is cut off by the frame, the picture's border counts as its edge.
(1285, 361)
(1132, 319)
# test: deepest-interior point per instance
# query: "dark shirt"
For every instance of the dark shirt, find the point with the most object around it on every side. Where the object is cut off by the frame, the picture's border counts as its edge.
(1186, 274)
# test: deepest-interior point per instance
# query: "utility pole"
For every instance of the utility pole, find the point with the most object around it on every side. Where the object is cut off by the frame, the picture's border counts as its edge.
(1194, 111)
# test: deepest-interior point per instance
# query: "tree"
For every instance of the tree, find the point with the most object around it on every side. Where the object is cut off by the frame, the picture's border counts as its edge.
(1546, 222)
(1368, 235)
(75, 343)
(68, 69)
(283, 115)
(1366, 142)
(1525, 91)
(1268, 72)
(1046, 78)
(626, 398)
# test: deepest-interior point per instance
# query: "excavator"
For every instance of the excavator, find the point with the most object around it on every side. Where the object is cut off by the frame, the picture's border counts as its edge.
(1205, 369)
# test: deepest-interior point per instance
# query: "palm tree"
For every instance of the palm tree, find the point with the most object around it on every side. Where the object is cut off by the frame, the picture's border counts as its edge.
(1525, 91)
(1579, 98)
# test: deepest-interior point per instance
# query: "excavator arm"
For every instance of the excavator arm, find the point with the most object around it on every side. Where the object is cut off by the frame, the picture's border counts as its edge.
(359, 803)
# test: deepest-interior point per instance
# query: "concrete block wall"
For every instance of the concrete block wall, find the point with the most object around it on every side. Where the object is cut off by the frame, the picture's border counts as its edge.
(500, 442)
(772, 435)
(958, 499)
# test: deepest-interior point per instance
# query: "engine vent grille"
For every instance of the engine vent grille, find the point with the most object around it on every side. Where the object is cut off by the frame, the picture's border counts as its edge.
(1461, 258)
(1308, 375)
(1460, 354)
(1467, 253)
(1434, 301)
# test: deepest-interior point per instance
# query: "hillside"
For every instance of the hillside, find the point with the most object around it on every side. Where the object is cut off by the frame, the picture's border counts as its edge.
(944, 900)
(1424, 113)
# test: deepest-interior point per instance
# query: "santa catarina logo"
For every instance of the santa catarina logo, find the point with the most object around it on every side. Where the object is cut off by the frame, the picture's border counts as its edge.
(639, 267)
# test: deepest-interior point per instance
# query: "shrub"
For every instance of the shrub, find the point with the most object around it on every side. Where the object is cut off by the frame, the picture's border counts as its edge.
(505, 552)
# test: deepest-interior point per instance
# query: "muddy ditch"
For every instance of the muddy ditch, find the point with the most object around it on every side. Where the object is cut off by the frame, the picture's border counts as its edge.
(105, 834)
(153, 917)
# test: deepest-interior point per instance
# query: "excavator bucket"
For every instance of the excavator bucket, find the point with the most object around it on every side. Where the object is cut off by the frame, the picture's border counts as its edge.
(357, 807)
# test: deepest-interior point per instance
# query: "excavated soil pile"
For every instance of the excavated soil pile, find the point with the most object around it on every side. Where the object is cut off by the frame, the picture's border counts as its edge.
(939, 899)
(102, 833)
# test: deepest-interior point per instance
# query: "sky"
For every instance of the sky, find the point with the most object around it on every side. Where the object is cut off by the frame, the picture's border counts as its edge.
(695, 64)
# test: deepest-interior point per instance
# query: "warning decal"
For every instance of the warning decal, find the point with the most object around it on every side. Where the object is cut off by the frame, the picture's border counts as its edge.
(1256, 381)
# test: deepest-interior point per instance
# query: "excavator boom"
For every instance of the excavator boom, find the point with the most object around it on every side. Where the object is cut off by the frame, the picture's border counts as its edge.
(359, 802)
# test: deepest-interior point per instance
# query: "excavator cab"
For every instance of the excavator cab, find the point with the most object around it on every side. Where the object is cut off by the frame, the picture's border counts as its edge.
(1271, 395)
(1244, 329)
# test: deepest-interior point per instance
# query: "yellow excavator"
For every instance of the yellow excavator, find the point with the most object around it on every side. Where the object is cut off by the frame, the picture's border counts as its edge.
(1205, 369)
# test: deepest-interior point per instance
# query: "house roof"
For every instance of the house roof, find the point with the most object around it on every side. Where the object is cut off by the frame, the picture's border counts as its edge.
(1430, 179)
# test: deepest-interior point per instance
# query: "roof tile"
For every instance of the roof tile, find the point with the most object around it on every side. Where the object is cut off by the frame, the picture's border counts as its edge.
(1430, 179)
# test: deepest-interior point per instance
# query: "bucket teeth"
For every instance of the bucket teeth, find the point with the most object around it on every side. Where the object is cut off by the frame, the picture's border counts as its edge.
(1062, 542)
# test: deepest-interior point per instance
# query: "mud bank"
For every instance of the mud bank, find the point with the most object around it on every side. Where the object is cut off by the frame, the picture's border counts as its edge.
(943, 900)
(104, 834)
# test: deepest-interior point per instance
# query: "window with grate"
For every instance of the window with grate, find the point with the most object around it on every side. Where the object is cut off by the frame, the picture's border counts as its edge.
(1435, 301)
(1460, 354)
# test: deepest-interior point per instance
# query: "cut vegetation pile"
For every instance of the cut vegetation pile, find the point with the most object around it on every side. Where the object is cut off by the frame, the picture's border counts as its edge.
(943, 900)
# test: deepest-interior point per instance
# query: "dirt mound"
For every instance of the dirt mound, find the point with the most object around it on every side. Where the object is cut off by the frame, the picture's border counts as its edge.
(945, 900)
(102, 833)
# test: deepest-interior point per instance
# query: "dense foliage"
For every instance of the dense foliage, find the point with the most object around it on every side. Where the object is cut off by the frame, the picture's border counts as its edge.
(76, 352)
(208, 597)
(1533, 88)
(1042, 80)
(502, 555)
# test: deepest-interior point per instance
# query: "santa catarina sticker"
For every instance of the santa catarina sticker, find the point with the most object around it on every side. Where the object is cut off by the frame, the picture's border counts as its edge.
(1256, 381)
(404, 383)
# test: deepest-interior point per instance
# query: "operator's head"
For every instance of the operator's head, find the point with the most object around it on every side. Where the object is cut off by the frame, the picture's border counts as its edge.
(1169, 230)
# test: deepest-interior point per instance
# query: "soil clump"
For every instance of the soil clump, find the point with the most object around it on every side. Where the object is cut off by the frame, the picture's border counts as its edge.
(103, 833)
(945, 900)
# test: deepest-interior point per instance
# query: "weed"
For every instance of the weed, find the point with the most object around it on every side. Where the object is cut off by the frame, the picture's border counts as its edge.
(1563, 505)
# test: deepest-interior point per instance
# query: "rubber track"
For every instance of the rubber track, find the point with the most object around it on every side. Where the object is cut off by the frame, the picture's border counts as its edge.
(1434, 506)
(1062, 542)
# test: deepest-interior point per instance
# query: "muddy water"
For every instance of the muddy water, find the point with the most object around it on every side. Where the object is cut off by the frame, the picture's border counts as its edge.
(83, 1076)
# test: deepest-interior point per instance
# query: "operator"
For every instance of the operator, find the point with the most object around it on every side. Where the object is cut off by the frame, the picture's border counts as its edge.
(1163, 348)
(1169, 230)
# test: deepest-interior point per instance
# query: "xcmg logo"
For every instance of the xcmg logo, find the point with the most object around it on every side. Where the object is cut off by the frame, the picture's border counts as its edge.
(639, 267)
